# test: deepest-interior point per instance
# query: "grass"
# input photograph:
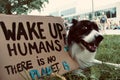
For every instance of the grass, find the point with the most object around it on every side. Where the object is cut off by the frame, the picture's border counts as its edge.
(108, 51)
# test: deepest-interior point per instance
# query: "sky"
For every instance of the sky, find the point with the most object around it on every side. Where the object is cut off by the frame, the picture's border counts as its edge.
(54, 5)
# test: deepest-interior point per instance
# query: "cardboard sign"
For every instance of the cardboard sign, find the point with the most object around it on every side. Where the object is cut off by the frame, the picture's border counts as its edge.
(34, 44)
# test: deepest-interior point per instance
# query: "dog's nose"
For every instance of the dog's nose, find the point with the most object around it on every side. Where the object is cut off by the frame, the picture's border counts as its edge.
(99, 38)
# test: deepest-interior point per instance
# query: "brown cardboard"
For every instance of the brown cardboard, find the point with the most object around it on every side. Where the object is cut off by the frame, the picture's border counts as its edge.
(26, 44)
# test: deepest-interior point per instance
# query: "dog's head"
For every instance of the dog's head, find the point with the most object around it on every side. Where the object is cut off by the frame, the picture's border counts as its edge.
(86, 33)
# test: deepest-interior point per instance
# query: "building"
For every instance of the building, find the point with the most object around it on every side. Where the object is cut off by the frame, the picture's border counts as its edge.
(112, 11)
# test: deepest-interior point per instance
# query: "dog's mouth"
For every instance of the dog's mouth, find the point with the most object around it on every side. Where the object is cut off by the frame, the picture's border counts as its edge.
(92, 46)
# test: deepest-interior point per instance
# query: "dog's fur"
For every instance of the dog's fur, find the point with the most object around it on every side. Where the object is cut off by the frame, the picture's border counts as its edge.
(83, 40)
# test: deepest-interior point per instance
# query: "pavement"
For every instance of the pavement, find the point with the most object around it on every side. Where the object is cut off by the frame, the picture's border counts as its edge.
(110, 32)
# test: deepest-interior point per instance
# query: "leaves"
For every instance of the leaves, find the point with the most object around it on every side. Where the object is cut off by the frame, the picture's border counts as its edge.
(21, 6)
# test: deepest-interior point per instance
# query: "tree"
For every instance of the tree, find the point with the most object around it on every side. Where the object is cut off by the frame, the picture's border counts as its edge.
(21, 6)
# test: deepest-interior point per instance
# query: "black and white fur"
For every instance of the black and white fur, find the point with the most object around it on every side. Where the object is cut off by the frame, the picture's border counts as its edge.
(83, 40)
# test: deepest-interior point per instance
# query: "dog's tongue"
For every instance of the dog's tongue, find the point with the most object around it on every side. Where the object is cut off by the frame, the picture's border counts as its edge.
(92, 47)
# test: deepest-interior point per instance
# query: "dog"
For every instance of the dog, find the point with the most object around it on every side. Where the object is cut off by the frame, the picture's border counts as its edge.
(83, 39)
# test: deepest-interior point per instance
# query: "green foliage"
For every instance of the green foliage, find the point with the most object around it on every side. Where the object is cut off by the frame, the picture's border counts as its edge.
(21, 6)
(109, 50)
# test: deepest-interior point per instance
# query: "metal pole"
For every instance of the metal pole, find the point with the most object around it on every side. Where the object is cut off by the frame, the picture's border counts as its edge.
(93, 9)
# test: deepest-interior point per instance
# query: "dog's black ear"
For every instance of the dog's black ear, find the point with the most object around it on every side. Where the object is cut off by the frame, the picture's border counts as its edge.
(74, 21)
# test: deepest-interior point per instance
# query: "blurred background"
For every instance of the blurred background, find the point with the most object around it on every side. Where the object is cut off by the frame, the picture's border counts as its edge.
(84, 9)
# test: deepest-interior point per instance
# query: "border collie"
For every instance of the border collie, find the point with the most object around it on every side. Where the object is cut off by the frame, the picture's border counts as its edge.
(83, 40)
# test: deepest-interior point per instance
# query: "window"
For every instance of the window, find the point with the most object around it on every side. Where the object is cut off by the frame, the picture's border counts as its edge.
(97, 13)
(68, 11)
(55, 13)
(90, 16)
(110, 13)
(113, 12)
